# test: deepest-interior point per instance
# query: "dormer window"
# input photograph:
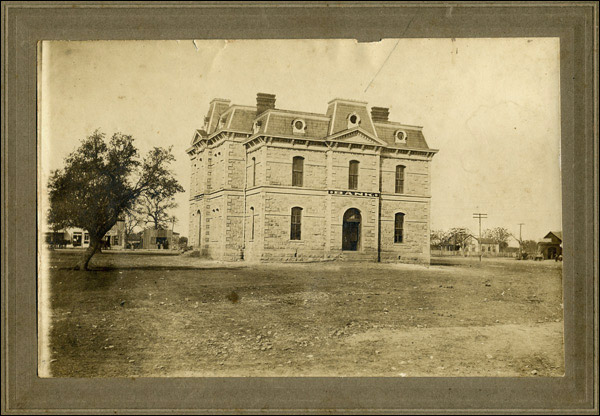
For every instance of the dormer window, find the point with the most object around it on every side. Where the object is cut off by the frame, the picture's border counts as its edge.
(299, 126)
(400, 136)
(256, 126)
(353, 120)
(222, 121)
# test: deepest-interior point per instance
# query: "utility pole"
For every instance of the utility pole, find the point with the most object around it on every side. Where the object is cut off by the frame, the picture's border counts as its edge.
(521, 224)
(479, 216)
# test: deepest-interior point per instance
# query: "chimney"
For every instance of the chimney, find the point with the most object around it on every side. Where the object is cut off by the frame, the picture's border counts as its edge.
(264, 102)
(380, 114)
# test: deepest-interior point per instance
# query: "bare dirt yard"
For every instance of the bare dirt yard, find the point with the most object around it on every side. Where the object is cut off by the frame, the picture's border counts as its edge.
(141, 315)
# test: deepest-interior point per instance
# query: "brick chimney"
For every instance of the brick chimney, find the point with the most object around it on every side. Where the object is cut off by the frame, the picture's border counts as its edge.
(379, 114)
(264, 102)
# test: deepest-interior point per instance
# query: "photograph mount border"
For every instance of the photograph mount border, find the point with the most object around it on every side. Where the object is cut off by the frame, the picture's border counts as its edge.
(23, 26)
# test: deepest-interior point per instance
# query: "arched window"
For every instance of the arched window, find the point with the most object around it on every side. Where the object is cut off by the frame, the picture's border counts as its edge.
(251, 223)
(400, 179)
(297, 170)
(353, 175)
(253, 171)
(399, 228)
(296, 224)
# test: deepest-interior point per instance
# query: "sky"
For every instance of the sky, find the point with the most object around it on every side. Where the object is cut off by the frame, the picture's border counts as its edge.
(491, 107)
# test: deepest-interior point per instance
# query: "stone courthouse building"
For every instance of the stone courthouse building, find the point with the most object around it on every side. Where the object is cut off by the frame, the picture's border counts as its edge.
(279, 185)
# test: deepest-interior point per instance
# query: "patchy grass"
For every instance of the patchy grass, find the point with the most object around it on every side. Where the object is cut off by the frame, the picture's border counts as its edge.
(151, 315)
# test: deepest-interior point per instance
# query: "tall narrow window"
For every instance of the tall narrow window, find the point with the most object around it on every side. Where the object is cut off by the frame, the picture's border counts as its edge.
(251, 223)
(400, 179)
(353, 175)
(399, 228)
(297, 170)
(296, 224)
(253, 171)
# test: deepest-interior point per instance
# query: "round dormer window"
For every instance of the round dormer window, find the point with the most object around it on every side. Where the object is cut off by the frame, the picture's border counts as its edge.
(299, 126)
(222, 122)
(400, 136)
(353, 120)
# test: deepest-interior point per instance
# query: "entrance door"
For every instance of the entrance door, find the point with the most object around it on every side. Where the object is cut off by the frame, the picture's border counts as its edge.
(351, 230)
(162, 242)
(76, 239)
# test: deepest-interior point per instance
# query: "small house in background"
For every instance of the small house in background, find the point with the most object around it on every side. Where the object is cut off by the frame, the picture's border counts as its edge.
(115, 237)
(80, 238)
(57, 239)
(488, 246)
(550, 246)
(160, 239)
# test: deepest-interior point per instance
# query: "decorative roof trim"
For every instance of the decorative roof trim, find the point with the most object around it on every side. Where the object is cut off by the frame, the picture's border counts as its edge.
(210, 118)
(230, 118)
(347, 101)
(373, 125)
(213, 138)
(332, 118)
(198, 137)
(222, 100)
(303, 114)
(395, 124)
(345, 133)
(284, 136)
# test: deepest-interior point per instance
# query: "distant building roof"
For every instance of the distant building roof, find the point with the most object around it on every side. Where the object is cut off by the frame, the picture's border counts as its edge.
(557, 234)
(488, 241)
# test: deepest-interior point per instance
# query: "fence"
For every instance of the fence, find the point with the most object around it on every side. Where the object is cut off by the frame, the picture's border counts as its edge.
(459, 253)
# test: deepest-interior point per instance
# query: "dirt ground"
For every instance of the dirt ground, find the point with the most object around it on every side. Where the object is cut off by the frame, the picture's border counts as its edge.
(140, 315)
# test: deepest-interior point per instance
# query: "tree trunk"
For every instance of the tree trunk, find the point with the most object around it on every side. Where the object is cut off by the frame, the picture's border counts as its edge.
(87, 256)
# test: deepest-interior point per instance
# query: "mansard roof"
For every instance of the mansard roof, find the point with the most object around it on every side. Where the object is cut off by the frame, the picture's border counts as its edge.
(275, 121)
(414, 135)
(334, 123)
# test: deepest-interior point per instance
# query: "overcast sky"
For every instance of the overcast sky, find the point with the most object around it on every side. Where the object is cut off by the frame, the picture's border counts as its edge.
(491, 107)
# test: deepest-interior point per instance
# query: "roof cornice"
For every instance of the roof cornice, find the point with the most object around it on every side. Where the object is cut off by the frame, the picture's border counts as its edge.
(396, 124)
(299, 114)
(348, 101)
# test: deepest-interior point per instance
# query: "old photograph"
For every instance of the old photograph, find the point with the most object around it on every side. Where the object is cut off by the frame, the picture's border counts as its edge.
(300, 208)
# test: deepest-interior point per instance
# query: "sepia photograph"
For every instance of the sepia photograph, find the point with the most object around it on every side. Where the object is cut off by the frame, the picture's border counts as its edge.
(300, 208)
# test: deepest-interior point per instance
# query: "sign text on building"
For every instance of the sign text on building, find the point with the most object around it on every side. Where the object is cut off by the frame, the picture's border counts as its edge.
(354, 193)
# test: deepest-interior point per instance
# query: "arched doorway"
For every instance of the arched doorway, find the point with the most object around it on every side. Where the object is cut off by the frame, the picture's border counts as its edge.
(199, 215)
(351, 230)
